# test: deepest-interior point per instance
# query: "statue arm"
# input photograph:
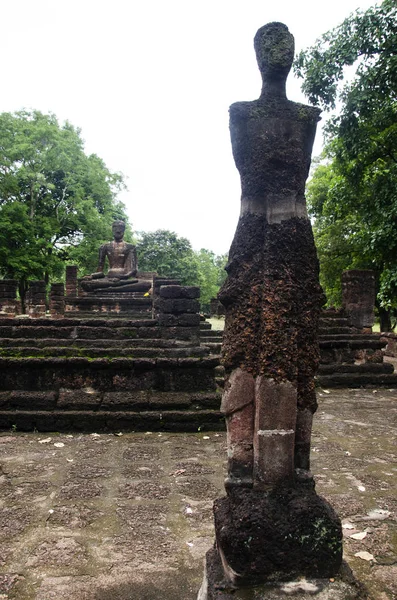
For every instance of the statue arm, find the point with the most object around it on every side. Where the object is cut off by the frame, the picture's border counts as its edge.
(101, 263)
(131, 266)
(102, 258)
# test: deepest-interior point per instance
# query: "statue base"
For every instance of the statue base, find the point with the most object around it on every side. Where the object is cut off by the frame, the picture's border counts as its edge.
(272, 535)
(343, 586)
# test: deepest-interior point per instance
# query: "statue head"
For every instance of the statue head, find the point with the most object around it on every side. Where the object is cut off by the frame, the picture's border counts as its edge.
(118, 229)
(274, 47)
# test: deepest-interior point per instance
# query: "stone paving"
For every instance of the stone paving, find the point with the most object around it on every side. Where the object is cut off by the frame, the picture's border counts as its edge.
(129, 517)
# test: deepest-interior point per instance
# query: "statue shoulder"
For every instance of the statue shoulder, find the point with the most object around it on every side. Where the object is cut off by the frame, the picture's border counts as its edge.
(105, 247)
(304, 112)
(240, 111)
(130, 246)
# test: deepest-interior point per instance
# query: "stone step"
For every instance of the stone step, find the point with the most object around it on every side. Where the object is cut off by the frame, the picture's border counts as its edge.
(353, 336)
(77, 321)
(164, 374)
(365, 368)
(107, 352)
(356, 380)
(211, 333)
(333, 314)
(139, 316)
(90, 399)
(334, 331)
(334, 322)
(76, 332)
(353, 344)
(214, 347)
(93, 343)
(189, 421)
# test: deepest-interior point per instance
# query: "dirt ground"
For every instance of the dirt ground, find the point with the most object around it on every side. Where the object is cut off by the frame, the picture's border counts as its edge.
(129, 517)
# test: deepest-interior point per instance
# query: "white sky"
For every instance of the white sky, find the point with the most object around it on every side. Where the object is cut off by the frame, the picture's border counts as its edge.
(149, 82)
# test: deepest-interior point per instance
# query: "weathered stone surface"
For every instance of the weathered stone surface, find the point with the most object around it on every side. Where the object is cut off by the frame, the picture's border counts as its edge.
(277, 535)
(177, 305)
(179, 291)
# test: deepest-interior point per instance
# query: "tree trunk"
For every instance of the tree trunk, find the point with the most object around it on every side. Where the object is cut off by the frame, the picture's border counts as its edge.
(22, 286)
(385, 319)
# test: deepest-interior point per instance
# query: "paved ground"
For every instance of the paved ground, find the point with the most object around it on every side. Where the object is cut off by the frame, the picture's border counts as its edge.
(107, 517)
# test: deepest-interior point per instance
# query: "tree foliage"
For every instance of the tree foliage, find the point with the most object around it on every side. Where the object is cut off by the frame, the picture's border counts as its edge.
(169, 255)
(353, 194)
(56, 203)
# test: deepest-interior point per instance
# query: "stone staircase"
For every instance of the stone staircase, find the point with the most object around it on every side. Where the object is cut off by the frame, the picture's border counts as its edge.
(348, 358)
(104, 374)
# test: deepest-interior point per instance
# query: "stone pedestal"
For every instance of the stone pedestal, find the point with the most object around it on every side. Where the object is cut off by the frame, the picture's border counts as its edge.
(358, 298)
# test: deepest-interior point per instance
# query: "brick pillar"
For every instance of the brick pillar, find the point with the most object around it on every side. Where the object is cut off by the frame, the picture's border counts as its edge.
(358, 298)
(36, 297)
(9, 305)
(178, 312)
(71, 280)
(57, 300)
(157, 283)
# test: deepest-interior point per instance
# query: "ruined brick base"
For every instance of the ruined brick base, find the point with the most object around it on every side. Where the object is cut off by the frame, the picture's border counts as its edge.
(343, 587)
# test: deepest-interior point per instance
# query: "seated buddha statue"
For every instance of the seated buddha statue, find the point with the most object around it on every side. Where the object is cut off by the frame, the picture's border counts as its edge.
(122, 260)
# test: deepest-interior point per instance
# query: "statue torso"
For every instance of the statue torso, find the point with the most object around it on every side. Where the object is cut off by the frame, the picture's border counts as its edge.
(272, 143)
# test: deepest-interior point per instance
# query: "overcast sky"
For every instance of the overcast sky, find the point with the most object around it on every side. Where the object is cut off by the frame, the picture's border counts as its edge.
(150, 83)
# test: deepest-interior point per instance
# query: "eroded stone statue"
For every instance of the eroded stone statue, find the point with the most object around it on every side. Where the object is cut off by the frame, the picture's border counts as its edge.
(121, 256)
(272, 295)
(122, 261)
(267, 527)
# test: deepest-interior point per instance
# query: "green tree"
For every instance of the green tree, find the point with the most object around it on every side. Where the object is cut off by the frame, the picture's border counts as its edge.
(211, 274)
(168, 254)
(56, 203)
(358, 214)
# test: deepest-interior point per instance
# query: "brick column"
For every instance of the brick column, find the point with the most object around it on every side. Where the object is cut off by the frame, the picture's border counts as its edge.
(9, 305)
(358, 298)
(177, 310)
(71, 280)
(36, 298)
(57, 300)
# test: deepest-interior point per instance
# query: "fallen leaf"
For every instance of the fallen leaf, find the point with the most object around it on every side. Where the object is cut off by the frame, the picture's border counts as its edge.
(365, 555)
(206, 437)
(59, 444)
(119, 434)
(378, 514)
(348, 526)
(46, 441)
(95, 435)
(359, 536)
(326, 391)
